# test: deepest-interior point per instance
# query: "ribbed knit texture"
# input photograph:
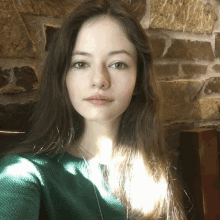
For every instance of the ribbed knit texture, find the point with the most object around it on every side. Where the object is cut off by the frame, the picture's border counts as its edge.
(58, 187)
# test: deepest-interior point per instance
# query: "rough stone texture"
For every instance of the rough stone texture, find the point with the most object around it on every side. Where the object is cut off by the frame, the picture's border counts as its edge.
(21, 79)
(166, 69)
(190, 50)
(3, 78)
(14, 39)
(57, 8)
(46, 7)
(6, 5)
(216, 67)
(14, 116)
(208, 108)
(11, 89)
(136, 8)
(179, 100)
(19, 98)
(217, 45)
(212, 86)
(157, 46)
(25, 77)
(183, 15)
(36, 29)
(194, 69)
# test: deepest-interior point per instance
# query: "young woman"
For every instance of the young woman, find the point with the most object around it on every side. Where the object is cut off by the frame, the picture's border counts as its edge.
(96, 147)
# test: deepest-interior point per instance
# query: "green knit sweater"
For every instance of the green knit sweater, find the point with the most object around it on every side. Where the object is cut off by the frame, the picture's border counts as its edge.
(59, 187)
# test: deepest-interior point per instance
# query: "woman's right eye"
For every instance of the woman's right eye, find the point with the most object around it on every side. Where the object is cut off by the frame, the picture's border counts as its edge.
(79, 66)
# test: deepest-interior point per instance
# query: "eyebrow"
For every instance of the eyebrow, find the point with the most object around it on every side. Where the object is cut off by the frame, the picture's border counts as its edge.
(110, 54)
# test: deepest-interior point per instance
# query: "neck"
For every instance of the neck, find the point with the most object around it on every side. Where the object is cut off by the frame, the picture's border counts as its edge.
(97, 140)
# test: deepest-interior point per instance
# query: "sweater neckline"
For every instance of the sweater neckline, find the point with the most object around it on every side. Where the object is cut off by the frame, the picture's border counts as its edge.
(82, 160)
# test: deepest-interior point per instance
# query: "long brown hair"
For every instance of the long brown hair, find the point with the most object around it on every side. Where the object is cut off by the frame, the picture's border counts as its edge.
(140, 173)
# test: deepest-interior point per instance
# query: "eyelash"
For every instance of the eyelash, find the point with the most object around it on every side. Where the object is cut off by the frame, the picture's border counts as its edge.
(125, 65)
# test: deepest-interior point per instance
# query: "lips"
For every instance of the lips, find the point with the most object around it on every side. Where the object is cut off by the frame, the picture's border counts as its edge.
(100, 97)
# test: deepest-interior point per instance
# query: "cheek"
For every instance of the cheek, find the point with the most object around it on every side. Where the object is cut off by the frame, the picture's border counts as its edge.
(78, 82)
(125, 88)
(76, 89)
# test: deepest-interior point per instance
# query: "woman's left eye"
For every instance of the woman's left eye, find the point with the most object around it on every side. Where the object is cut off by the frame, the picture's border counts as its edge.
(125, 66)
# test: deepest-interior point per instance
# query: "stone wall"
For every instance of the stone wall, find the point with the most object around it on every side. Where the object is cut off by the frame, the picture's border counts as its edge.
(185, 41)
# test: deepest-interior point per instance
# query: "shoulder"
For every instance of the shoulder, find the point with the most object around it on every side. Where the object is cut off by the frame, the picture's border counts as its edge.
(19, 167)
(29, 166)
(20, 184)
(26, 161)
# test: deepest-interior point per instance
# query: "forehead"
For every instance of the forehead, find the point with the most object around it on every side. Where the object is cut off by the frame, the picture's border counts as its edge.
(103, 34)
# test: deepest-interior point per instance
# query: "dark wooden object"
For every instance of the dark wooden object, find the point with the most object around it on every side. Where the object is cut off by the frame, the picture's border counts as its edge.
(200, 173)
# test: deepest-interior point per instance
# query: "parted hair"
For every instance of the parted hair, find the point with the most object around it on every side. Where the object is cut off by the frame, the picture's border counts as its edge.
(141, 173)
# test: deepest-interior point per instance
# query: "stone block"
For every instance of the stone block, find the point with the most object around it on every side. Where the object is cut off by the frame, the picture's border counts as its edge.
(186, 49)
(14, 116)
(179, 15)
(57, 8)
(137, 8)
(3, 80)
(25, 77)
(178, 100)
(209, 109)
(212, 86)
(21, 97)
(216, 67)
(4, 76)
(157, 46)
(46, 7)
(6, 5)
(217, 45)
(11, 89)
(14, 39)
(21, 79)
(166, 69)
(194, 69)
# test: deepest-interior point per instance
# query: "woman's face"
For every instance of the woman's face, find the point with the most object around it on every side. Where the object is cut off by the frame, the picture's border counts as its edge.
(100, 72)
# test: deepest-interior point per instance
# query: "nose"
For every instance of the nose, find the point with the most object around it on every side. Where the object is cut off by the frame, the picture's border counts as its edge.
(100, 78)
